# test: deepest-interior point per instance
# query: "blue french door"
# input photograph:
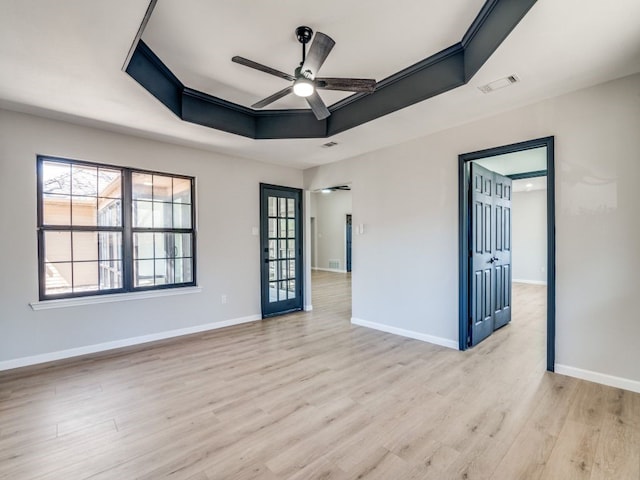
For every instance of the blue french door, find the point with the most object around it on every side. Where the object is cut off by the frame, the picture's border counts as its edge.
(281, 249)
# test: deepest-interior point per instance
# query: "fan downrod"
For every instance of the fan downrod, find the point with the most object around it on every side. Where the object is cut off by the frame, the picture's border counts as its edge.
(304, 34)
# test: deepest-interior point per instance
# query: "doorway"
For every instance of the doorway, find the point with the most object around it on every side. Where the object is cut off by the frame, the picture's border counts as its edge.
(475, 322)
(281, 249)
(330, 247)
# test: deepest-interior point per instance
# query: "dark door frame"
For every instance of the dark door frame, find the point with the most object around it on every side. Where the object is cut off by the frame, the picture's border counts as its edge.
(463, 237)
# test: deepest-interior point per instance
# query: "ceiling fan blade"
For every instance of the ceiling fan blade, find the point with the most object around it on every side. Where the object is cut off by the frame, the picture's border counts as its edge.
(346, 84)
(262, 68)
(273, 98)
(320, 110)
(318, 53)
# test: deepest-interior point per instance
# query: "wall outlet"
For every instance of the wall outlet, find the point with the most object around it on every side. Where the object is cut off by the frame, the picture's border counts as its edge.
(223, 299)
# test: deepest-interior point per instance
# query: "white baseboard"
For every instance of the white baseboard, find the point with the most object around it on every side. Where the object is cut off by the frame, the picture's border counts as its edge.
(308, 308)
(597, 377)
(125, 342)
(444, 342)
(334, 270)
(530, 282)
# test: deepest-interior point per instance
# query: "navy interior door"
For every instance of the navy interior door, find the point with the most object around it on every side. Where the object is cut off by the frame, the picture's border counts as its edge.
(349, 237)
(281, 249)
(481, 259)
(502, 250)
(490, 252)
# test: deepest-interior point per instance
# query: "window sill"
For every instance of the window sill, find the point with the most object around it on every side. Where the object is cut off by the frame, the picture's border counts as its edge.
(116, 297)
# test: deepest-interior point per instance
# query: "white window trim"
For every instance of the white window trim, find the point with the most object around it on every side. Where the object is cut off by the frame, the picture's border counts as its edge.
(115, 297)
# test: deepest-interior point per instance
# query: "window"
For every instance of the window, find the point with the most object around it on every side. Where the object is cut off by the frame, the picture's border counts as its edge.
(105, 229)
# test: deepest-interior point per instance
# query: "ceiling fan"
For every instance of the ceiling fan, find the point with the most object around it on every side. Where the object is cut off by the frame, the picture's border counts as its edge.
(306, 83)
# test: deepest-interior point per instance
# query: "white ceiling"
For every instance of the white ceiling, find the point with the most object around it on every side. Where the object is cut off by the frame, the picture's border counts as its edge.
(369, 43)
(529, 184)
(63, 60)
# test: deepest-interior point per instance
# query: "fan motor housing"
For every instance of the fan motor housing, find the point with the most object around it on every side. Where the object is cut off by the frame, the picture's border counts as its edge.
(304, 34)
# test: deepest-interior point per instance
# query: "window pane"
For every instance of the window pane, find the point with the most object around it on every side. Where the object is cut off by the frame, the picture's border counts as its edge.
(172, 245)
(181, 216)
(292, 269)
(84, 180)
(272, 249)
(143, 245)
(184, 270)
(162, 215)
(57, 278)
(56, 177)
(282, 249)
(84, 211)
(164, 245)
(291, 210)
(282, 274)
(273, 202)
(182, 244)
(272, 228)
(272, 271)
(109, 246)
(292, 228)
(109, 183)
(162, 191)
(181, 190)
(282, 290)
(292, 289)
(291, 248)
(163, 272)
(142, 214)
(141, 186)
(57, 246)
(143, 273)
(282, 207)
(56, 210)
(273, 292)
(85, 246)
(110, 274)
(85, 276)
(282, 231)
(109, 212)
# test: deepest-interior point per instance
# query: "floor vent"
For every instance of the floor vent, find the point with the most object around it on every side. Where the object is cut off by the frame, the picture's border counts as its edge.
(334, 264)
(498, 84)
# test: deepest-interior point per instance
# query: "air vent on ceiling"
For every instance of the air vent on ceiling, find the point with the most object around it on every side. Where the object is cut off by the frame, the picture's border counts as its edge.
(498, 84)
(329, 144)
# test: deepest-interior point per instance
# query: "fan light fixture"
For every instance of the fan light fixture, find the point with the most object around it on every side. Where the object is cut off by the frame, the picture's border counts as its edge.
(306, 82)
(303, 87)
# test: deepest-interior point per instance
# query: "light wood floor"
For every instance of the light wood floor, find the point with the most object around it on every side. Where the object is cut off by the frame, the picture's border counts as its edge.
(309, 396)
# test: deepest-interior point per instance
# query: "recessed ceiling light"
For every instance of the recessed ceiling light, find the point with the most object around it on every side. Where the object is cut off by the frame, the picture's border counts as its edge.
(529, 185)
(326, 190)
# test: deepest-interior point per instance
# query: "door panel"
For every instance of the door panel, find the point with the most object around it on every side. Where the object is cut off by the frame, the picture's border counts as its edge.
(349, 237)
(502, 208)
(481, 268)
(490, 259)
(281, 249)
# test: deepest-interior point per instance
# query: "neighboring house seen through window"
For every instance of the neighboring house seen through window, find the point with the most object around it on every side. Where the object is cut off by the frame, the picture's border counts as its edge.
(105, 229)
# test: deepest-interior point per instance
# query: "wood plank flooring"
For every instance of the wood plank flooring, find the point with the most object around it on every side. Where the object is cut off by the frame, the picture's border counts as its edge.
(309, 396)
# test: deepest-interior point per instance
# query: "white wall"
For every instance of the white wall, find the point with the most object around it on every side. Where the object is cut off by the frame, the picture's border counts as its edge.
(330, 213)
(406, 271)
(529, 236)
(228, 254)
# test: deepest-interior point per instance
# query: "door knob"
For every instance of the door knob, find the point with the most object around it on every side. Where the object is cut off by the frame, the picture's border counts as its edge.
(493, 259)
